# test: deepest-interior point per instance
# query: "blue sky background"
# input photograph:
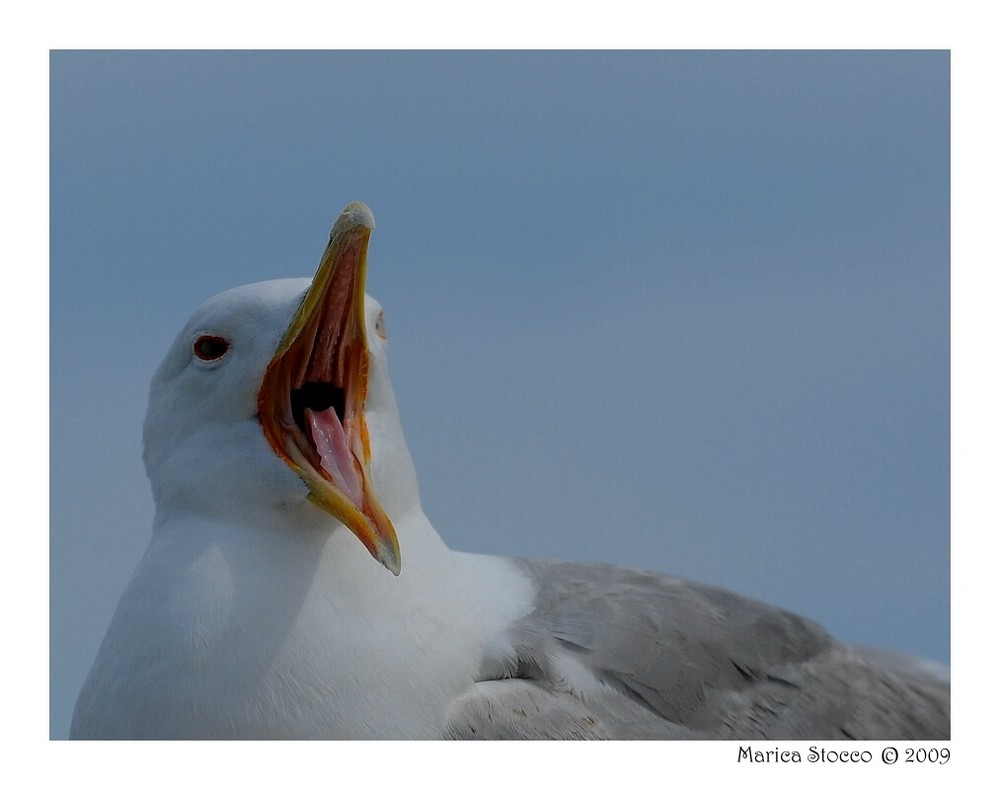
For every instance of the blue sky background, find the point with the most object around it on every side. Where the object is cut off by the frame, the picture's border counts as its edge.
(680, 311)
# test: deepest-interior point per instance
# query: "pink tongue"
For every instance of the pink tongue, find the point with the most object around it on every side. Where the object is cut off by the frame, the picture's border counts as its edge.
(331, 444)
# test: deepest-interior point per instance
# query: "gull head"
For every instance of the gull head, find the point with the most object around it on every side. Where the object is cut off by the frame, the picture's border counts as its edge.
(273, 407)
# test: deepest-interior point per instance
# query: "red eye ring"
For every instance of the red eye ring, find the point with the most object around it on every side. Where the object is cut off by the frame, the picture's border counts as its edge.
(210, 347)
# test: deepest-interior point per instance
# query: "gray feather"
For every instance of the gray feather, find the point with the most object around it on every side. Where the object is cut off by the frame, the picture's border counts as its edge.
(675, 659)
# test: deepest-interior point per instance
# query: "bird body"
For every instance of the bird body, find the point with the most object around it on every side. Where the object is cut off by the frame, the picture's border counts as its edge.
(293, 587)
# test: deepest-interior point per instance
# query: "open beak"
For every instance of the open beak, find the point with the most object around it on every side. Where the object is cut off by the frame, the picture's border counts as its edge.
(312, 398)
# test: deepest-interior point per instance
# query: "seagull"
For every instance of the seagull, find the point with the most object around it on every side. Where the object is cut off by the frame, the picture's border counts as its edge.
(294, 589)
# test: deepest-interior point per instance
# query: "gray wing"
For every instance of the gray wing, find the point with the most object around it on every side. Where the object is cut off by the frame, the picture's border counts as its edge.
(609, 652)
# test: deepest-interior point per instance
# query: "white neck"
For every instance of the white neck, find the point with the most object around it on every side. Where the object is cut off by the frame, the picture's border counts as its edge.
(229, 645)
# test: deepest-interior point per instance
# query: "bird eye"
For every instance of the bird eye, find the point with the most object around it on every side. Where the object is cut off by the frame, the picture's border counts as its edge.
(210, 347)
(380, 325)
